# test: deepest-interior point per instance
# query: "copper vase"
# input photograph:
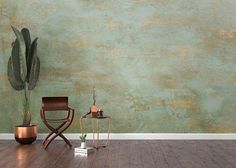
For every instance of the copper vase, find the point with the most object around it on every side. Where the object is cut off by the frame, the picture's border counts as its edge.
(25, 134)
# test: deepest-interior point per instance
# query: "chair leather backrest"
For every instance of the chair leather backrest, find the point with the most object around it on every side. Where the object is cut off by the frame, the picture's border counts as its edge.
(55, 103)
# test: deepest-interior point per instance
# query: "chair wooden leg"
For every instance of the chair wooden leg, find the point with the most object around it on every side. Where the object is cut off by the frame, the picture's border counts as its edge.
(47, 141)
(65, 139)
(58, 134)
(48, 136)
(54, 130)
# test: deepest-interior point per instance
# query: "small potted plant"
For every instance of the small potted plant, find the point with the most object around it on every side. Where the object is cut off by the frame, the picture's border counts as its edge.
(83, 140)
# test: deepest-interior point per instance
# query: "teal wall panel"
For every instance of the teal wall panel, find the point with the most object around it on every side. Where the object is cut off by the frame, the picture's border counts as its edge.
(161, 66)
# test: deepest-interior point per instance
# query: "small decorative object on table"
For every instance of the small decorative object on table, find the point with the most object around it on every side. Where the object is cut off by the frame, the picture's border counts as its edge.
(100, 113)
(96, 112)
(83, 140)
(94, 108)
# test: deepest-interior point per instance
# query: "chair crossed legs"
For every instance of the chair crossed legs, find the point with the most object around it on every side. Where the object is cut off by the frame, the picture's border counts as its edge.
(56, 104)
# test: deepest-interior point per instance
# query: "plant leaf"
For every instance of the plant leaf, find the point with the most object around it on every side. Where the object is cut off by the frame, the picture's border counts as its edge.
(32, 54)
(26, 35)
(17, 85)
(20, 38)
(34, 73)
(15, 61)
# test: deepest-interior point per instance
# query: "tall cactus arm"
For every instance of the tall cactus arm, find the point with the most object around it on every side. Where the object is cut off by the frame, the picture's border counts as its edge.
(34, 73)
(32, 54)
(15, 61)
(26, 35)
(17, 85)
(22, 49)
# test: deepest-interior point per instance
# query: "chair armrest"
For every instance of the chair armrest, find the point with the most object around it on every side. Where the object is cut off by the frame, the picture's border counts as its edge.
(72, 114)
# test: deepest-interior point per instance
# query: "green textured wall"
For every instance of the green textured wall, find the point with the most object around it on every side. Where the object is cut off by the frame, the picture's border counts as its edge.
(158, 65)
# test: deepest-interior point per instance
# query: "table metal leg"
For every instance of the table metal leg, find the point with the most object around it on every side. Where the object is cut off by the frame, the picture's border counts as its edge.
(108, 131)
(96, 130)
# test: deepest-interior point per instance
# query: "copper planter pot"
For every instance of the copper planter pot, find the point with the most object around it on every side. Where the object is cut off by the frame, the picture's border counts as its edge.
(25, 134)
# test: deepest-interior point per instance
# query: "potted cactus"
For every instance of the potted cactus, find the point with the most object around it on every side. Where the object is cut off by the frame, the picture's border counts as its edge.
(23, 73)
(83, 140)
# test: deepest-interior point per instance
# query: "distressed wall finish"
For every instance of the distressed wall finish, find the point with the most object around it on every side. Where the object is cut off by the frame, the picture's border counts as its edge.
(158, 65)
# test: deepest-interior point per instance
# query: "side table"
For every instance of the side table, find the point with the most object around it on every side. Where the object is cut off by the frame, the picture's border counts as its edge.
(96, 130)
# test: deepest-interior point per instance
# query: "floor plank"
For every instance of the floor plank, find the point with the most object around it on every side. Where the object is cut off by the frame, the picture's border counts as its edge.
(123, 154)
(158, 155)
(186, 155)
(146, 155)
(169, 155)
(202, 153)
(135, 156)
(220, 156)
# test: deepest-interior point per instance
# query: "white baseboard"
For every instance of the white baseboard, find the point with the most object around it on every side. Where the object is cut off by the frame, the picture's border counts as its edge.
(141, 136)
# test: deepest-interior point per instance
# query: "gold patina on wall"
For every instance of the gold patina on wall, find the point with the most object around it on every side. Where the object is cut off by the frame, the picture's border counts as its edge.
(157, 65)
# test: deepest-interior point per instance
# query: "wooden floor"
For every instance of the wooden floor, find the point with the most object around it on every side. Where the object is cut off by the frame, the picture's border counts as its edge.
(123, 154)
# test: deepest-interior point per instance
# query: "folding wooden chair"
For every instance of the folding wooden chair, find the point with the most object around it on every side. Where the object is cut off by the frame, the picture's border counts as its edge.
(56, 104)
